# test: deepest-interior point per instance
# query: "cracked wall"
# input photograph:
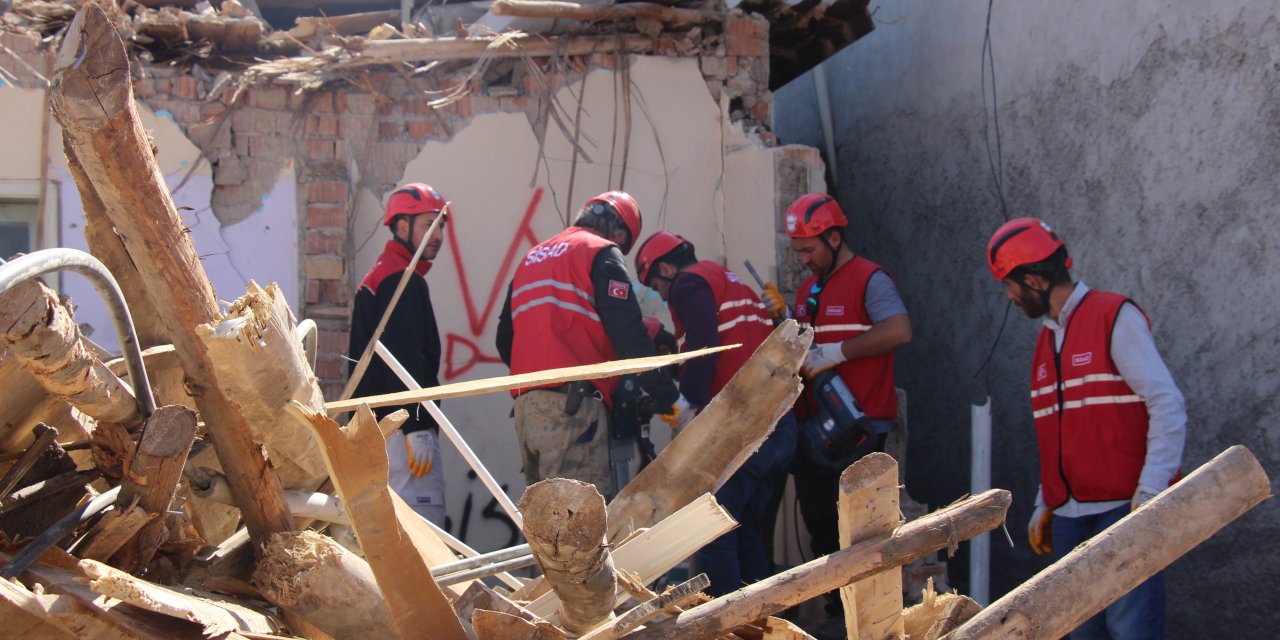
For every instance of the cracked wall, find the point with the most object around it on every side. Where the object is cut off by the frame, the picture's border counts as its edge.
(1149, 135)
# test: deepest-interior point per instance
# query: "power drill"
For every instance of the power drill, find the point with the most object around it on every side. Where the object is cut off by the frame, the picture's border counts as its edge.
(629, 430)
(839, 433)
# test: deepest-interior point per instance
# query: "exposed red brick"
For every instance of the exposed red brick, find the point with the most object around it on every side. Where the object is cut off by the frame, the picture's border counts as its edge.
(327, 191)
(422, 129)
(730, 66)
(335, 292)
(747, 46)
(185, 87)
(326, 216)
(313, 291)
(389, 129)
(330, 341)
(322, 102)
(320, 149)
(321, 242)
(330, 366)
(269, 97)
(322, 124)
(250, 120)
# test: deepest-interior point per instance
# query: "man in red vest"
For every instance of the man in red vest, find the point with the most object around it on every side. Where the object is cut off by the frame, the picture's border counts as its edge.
(412, 337)
(571, 303)
(858, 320)
(1110, 422)
(710, 307)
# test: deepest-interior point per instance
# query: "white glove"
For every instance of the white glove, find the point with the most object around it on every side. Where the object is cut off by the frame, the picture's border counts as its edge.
(421, 446)
(681, 414)
(821, 358)
(1141, 497)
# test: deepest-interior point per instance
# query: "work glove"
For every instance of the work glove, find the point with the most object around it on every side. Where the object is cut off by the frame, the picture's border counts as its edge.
(421, 446)
(821, 358)
(1141, 497)
(1040, 531)
(774, 301)
(680, 415)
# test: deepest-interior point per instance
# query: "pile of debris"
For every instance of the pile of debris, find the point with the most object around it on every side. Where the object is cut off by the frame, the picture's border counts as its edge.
(200, 488)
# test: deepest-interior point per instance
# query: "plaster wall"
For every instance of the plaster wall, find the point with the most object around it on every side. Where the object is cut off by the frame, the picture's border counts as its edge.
(692, 172)
(1148, 134)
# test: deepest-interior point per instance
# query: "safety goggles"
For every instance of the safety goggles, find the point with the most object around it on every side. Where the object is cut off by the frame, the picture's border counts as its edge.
(814, 292)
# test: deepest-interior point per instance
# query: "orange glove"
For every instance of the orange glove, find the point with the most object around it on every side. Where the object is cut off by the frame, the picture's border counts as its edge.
(773, 299)
(681, 414)
(1040, 531)
(421, 448)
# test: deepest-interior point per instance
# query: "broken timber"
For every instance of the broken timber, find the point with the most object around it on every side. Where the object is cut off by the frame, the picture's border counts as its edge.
(92, 98)
(938, 530)
(535, 379)
(565, 526)
(1107, 566)
(151, 478)
(868, 507)
(554, 10)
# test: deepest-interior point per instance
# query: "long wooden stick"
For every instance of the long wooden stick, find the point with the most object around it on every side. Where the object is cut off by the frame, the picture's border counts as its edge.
(534, 379)
(938, 530)
(93, 100)
(1098, 572)
(367, 356)
(553, 10)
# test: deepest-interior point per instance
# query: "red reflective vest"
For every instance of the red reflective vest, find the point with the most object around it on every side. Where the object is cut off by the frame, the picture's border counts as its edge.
(842, 314)
(740, 316)
(1092, 428)
(553, 312)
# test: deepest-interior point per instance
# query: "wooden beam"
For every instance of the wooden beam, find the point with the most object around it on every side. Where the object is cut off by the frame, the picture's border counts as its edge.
(938, 614)
(357, 461)
(151, 479)
(720, 438)
(564, 522)
(41, 335)
(93, 101)
(494, 625)
(868, 507)
(553, 10)
(316, 579)
(938, 530)
(675, 596)
(112, 532)
(1109, 565)
(534, 379)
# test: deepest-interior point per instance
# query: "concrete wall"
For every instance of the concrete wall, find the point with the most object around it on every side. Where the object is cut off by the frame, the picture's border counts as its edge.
(1148, 133)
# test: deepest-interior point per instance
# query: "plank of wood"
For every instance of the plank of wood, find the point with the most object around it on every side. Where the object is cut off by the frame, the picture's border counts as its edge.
(868, 507)
(478, 596)
(92, 98)
(493, 625)
(317, 580)
(357, 461)
(650, 609)
(110, 533)
(564, 522)
(151, 479)
(534, 379)
(1109, 565)
(720, 438)
(938, 530)
(780, 629)
(553, 10)
(41, 334)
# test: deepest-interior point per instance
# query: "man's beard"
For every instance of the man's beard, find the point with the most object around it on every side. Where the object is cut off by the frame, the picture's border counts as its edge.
(1031, 303)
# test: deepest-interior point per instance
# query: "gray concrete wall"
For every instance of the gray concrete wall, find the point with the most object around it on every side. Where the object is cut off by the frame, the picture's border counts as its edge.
(1148, 133)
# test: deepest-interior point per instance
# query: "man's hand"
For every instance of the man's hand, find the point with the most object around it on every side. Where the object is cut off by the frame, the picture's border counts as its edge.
(1141, 497)
(421, 445)
(821, 358)
(773, 299)
(1040, 531)
(680, 415)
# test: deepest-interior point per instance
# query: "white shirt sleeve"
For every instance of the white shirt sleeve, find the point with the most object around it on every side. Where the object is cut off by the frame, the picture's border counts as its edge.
(1133, 349)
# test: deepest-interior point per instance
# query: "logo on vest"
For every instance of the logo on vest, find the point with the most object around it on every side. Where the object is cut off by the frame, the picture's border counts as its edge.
(1081, 359)
(733, 277)
(618, 289)
(1042, 372)
(801, 310)
(837, 310)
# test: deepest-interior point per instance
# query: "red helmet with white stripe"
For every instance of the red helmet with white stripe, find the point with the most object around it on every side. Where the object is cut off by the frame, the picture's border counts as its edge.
(813, 214)
(624, 207)
(1019, 242)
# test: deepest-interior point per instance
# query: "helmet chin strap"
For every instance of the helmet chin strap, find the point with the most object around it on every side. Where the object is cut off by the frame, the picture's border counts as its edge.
(408, 242)
(835, 255)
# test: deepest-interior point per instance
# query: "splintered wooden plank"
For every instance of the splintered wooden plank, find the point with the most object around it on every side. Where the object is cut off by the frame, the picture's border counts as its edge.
(535, 379)
(494, 625)
(651, 608)
(868, 507)
(357, 461)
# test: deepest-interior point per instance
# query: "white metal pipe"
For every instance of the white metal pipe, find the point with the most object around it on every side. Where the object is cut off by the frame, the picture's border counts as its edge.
(979, 481)
(211, 485)
(449, 430)
(466, 551)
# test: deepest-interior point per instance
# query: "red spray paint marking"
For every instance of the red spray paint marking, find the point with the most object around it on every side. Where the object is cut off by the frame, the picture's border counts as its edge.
(477, 319)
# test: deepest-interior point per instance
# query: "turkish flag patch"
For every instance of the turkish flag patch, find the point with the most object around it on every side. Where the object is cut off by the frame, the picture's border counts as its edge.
(619, 289)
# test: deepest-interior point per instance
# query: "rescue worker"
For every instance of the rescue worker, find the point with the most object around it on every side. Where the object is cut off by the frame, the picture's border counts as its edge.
(571, 303)
(859, 319)
(411, 335)
(710, 307)
(1110, 421)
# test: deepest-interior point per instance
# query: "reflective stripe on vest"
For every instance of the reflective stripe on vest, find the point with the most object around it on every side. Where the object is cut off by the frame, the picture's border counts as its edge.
(740, 316)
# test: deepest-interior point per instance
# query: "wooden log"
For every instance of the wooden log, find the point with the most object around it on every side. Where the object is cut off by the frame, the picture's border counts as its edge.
(1107, 566)
(478, 596)
(534, 379)
(316, 579)
(111, 533)
(938, 530)
(720, 438)
(938, 614)
(564, 522)
(151, 479)
(41, 334)
(553, 10)
(494, 625)
(93, 101)
(868, 507)
(258, 362)
(357, 462)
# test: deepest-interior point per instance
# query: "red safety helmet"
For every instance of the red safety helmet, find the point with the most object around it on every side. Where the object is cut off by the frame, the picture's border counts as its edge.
(412, 199)
(813, 214)
(624, 206)
(653, 250)
(1019, 242)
